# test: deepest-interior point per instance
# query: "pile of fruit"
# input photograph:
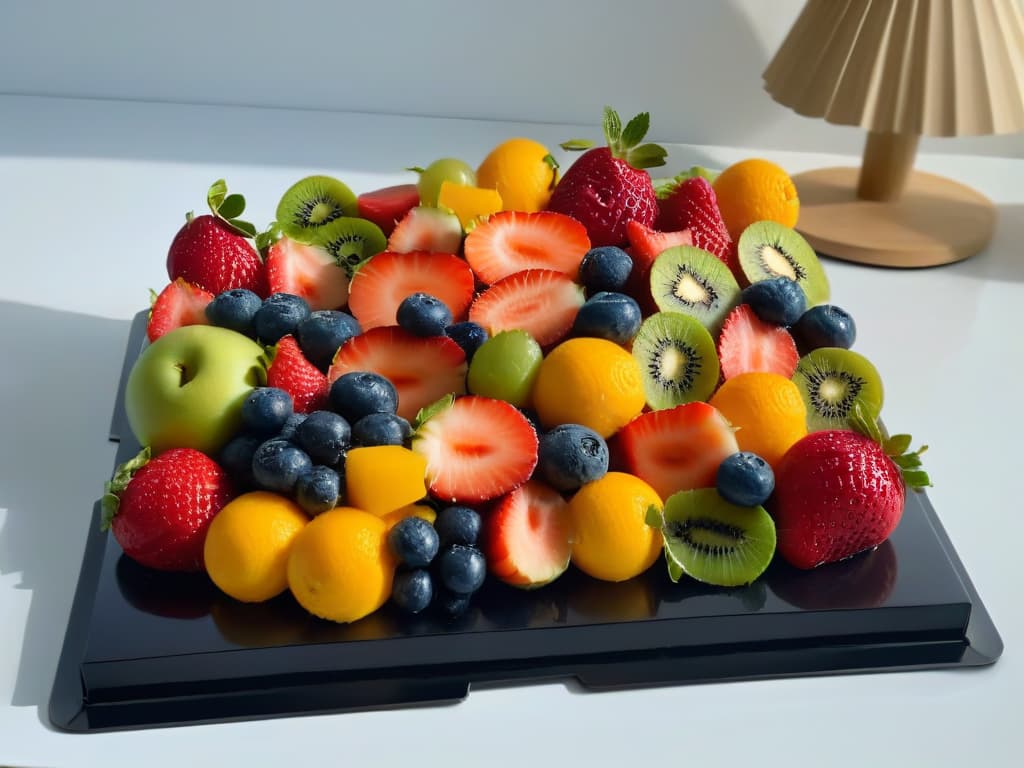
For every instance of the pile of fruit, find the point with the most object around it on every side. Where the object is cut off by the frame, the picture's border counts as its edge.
(499, 373)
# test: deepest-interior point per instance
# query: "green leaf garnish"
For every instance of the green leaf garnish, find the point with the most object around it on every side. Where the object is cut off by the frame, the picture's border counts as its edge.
(635, 130)
(916, 479)
(665, 188)
(897, 444)
(897, 448)
(245, 227)
(232, 207)
(646, 156)
(216, 194)
(865, 424)
(612, 126)
(427, 412)
(415, 169)
(111, 500)
(576, 145)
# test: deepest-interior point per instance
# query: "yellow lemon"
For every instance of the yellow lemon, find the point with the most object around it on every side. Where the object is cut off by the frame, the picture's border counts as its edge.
(755, 190)
(524, 173)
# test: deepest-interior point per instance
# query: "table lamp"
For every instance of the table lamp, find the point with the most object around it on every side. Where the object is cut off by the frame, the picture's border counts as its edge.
(900, 69)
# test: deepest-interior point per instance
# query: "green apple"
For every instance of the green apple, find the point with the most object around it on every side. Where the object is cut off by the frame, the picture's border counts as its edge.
(187, 388)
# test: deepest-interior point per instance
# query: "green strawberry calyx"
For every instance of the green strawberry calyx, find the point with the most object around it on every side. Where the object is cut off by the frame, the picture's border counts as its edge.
(665, 188)
(427, 412)
(113, 488)
(896, 447)
(624, 142)
(227, 208)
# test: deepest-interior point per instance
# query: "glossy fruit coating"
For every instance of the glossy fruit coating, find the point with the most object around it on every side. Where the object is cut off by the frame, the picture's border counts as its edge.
(234, 309)
(767, 411)
(325, 436)
(423, 315)
(505, 367)
(278, 464)
(265, 410)
(745, 479)
(383, 478)
(279, 316)
(605, 269)
(779, 301)
(413, 541)
(317, 490)
(571, 455)
(606, 315)
(825, 325)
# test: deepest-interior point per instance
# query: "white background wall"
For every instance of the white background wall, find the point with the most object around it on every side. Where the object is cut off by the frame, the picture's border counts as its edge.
(694, 64)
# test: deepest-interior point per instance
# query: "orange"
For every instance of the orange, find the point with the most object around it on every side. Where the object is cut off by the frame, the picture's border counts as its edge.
(383, 478)
(767, 410)
(340, 567)
(755, 190)
(593, 382)
(413, 510)
(611, 541)
(248, 543)
(524, 173)
(468, 203)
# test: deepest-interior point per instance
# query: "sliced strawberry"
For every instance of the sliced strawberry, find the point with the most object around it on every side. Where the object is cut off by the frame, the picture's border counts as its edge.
(426, 229)
(292, 372)
(541, 302)
(308, 271)
(748, 344)
(383, 282)
(180, 303)
(423, 370)
(527, 538)
(676, 449)
(476, 449)
(694, 205)
(386, 207)
(647, 244)
(513, 241)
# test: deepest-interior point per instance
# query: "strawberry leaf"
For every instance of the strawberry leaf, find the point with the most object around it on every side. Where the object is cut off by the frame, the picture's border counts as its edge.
(646, 156)
(865, 424)
(428, 412)
(247, 229)
(665, 188)
(232, 207)
(897, 445)
(907, 461)
(612, 126)
(635, 130)
(576, 145)
(917, 479)
(113, 488)
(216, 194)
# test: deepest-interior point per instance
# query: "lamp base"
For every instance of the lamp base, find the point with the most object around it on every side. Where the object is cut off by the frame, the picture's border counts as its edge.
(936, 221)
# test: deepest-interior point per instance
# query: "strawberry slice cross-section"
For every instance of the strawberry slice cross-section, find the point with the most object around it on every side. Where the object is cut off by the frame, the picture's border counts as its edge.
(747, 344)
(541, 302)
(512, 241)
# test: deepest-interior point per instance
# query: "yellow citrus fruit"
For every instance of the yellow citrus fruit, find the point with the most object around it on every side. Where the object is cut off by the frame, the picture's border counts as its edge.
(248, 543)
(755, 190)
(413, 510)
(524, 173)
(767, 411)
(383, 478)
(340, 566)
(593, 382)
(468, 203)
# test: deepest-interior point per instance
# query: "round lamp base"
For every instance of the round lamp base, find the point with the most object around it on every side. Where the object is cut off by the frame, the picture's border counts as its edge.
(936, 221)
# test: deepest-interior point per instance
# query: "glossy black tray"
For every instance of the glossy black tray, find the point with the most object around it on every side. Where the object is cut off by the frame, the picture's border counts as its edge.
(146, 649)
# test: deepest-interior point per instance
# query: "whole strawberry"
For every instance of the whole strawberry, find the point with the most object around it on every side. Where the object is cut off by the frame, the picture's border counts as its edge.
(159, 509)
(291, 371)
(690, 203)
(607, 187)
(213, 250)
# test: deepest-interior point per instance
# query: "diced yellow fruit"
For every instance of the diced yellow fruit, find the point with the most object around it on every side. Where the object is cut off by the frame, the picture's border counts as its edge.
(413, 510)
(468, 203)
(384, 478)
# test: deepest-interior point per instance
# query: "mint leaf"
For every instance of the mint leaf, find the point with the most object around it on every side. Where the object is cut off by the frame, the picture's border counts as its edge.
(612, 126)
(635, 130)
(646, 156)
(576, 145)
(232, 206)
(216, 194)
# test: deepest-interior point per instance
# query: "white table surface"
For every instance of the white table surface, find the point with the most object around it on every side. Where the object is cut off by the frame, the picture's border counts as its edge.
(91, 194)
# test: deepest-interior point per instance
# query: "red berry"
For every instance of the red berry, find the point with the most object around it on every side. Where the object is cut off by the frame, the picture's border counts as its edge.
(386, 207)
(513, 241)
(694, 206)
(208, 252)
(292, 372)
(747, 344)
(309, 271)
(541, 302)
(179, 304)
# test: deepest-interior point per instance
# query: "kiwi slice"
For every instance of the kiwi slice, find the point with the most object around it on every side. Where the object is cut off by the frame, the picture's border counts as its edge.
(351, 241)
(312, 203)
(712, 540)
(768, 249)
(692, 281)
(831, 381)
(677, 360)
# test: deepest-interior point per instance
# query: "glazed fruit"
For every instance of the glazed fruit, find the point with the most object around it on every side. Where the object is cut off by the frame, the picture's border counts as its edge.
(692, 281)
(312, 203)
(358, 394)
(514, 241)
(825, 325)
(505, 367)
(322, 333)
(779, 300)
(745, 479)
(426, 229)
(522, 171)
(383, 478)
(606, 315)
(570, 456)
(748, 344)
(423, 315)
(385, 207)
(265, 410)
(309, 271)
(280, 315)
(290, 371)
(605, 269)
(677, 358)
(756, 190)
(414, 542)
(767, 411)
(692, 205)
(768, 250)
(234, 309)
(833, 382)
(541, 302)
(177, 305)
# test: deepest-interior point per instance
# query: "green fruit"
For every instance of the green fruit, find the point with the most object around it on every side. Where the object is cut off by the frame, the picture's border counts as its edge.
(505, 367)
(677, 358)
(692, 281)
(439, 171)
(312, 203)
(768, 249)
(832, 381)
(351, 241)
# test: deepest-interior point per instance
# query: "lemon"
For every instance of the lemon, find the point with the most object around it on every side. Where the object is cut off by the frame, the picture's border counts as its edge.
(524, 173)
(755, 190)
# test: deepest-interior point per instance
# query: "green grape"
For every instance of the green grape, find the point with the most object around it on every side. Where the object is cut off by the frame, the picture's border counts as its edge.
(505, 367)
(445, 169)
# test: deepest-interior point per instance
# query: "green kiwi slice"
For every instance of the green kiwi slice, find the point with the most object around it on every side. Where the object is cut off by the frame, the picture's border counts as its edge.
(713, 541)
(351, 241)
(692, 281)
(677, 358)
(312, 203)
(768, 249)
(831, 381)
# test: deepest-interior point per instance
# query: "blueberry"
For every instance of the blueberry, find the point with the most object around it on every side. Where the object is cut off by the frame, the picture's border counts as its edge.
(234, 309)
(423, 315)
(605, 269)
(278, 464)
(318, 489)
(462, 569)
(360, 393)
(265, 410)
(745, 479)
(325, 436)
(612, 316)
(452, 604)
(323, 332)
(571, 455)
(290, 425)
(279, 315)
(381, 429)
(779, 301)
(825, 326)
(413, 541)
(457, 525)
(412, 590)
(468, 335)
(236, 458)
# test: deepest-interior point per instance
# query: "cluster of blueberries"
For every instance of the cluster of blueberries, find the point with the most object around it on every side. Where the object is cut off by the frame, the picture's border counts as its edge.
(781, 301)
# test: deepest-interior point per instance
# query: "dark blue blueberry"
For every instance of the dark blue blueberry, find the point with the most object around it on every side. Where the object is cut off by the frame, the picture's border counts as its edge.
(278, 464)
(779, 301)
(605, 269)
(279, 315)
(462, 569)
(266, 410)
(381, 429)
(612, 316)
(412, 590)
(825, 326)
(323, 332)
(467, 335)
(452, 604)
(571, 455)
(745, 479)
(317, 490)
(234, 309)
(457, 525)
(291, 424)
(325, 436)
(423, 315)
(413, 541)
(236, 458)
(361, 393)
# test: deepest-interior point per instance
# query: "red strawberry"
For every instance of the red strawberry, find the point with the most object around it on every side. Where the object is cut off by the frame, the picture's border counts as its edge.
(159, 510)
(180, 303)
(527, 538)
(380, 285)
(645, 245)
(386, 207)
(607, 187)
(542, 302)
(748, 344)
(426, 229)
(512, 241)
(476, 449)
(423, 370)
(309, 271)
(676, 449)
(693, 206)
(292, 372)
